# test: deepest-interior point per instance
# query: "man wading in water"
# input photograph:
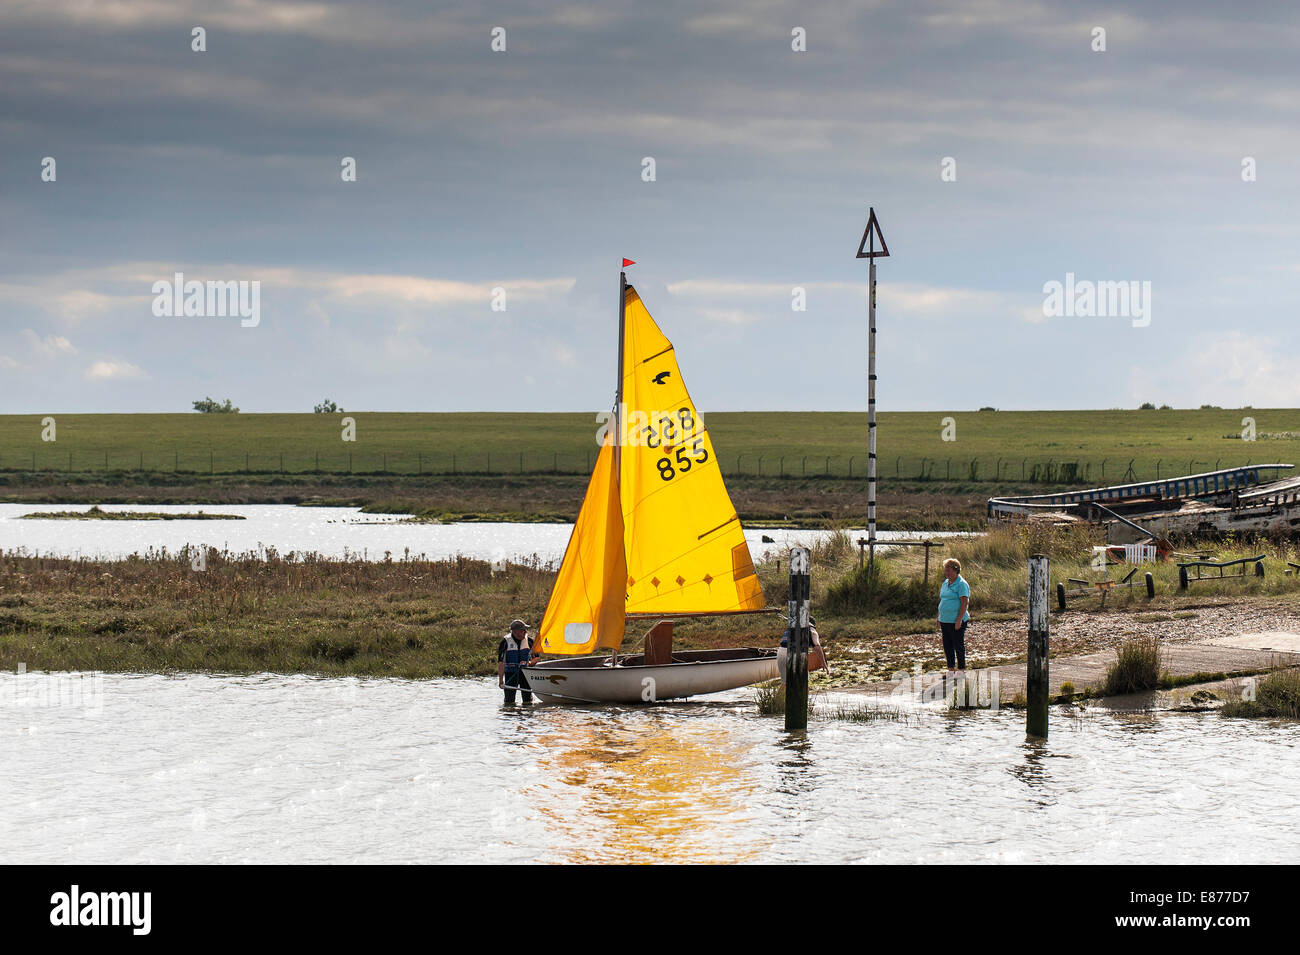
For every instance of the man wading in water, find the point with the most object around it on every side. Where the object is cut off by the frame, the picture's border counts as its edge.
(514, 651)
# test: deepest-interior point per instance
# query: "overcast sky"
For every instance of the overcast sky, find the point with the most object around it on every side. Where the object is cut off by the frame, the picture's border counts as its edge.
(524, 170)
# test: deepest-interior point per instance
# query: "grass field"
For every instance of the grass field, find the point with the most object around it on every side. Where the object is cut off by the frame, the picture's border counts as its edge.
(1036, 447)
(419, 619)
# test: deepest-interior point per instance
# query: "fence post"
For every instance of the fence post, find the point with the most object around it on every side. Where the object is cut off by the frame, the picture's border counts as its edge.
(796, 656)
(1036, 673)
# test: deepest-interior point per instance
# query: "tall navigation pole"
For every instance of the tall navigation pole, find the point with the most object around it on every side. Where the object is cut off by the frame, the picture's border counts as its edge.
(867, 250)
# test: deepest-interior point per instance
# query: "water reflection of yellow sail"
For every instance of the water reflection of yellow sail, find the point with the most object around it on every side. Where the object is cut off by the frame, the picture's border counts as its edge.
(627, 792)
(657, 532)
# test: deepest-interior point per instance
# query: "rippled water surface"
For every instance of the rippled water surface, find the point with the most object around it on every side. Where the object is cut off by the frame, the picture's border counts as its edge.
(296, 769)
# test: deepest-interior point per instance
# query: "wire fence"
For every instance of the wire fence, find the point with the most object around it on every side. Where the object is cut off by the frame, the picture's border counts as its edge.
(766, 464)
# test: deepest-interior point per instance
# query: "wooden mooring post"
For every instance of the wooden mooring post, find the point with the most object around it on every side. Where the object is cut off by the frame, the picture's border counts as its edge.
(796, 656)
(1036, 671)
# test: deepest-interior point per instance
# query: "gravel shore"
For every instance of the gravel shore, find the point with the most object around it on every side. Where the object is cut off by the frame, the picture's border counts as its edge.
(993, 641)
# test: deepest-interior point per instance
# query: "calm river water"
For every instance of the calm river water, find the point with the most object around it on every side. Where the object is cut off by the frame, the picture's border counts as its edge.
(330, 531)
(296, 769)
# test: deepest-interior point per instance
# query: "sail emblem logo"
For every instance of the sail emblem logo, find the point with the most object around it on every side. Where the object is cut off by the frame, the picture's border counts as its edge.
(663, 376)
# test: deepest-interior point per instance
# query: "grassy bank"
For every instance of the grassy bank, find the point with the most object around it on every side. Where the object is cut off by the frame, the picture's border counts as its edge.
(96, 514)
(443, 618)
(1018, 446)
(780, 467)
(792, 501)
(1276, 696)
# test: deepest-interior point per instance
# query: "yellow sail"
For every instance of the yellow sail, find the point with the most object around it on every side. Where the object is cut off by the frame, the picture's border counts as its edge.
(585, 612)
(685, 550)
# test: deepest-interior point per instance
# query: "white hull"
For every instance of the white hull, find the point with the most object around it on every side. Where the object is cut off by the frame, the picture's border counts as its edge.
(692, 673)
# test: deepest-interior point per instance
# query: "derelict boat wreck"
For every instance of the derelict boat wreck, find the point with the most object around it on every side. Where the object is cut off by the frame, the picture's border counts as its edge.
(1234, 500)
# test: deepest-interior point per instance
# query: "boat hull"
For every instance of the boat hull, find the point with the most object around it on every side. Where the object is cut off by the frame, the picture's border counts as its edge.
(692, 673)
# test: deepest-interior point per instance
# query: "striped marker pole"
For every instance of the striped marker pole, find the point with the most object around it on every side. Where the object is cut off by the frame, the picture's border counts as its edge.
(867, 250)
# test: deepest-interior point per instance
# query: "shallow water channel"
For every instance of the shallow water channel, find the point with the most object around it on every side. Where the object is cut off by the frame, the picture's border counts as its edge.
(330, 531)
(122, 768)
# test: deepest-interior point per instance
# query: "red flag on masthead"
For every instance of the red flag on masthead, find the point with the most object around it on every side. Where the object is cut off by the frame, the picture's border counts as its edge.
(627, 262)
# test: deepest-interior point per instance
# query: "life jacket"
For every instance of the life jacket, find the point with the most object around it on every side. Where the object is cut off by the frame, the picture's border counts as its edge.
(518, 653)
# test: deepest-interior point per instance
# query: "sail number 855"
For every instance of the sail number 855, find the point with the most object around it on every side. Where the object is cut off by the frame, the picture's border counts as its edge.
(684, 459)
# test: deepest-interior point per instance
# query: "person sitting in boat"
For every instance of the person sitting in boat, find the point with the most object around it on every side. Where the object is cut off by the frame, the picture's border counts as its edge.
(954, 614)
(816, 657)
(514, 652)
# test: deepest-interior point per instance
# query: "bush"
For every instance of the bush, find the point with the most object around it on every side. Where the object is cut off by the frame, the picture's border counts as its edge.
(1012, 544)
(1136, 668)
(770, 698)
(211, 406)
(875, 589)
(1278, 694)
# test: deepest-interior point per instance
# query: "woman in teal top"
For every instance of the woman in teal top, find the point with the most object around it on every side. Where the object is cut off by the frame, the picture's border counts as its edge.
(954, 613)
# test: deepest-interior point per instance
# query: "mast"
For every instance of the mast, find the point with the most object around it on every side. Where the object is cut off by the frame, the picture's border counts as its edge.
(618, 410)
(618, 377)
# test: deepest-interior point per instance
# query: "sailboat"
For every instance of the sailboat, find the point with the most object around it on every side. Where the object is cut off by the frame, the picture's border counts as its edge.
(657, 539)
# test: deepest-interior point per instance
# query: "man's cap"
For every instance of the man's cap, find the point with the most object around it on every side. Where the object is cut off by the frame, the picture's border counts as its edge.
(518, 625)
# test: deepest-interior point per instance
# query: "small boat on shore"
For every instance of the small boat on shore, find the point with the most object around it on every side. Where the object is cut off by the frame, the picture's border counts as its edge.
(1233, 500)
(657, 539)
